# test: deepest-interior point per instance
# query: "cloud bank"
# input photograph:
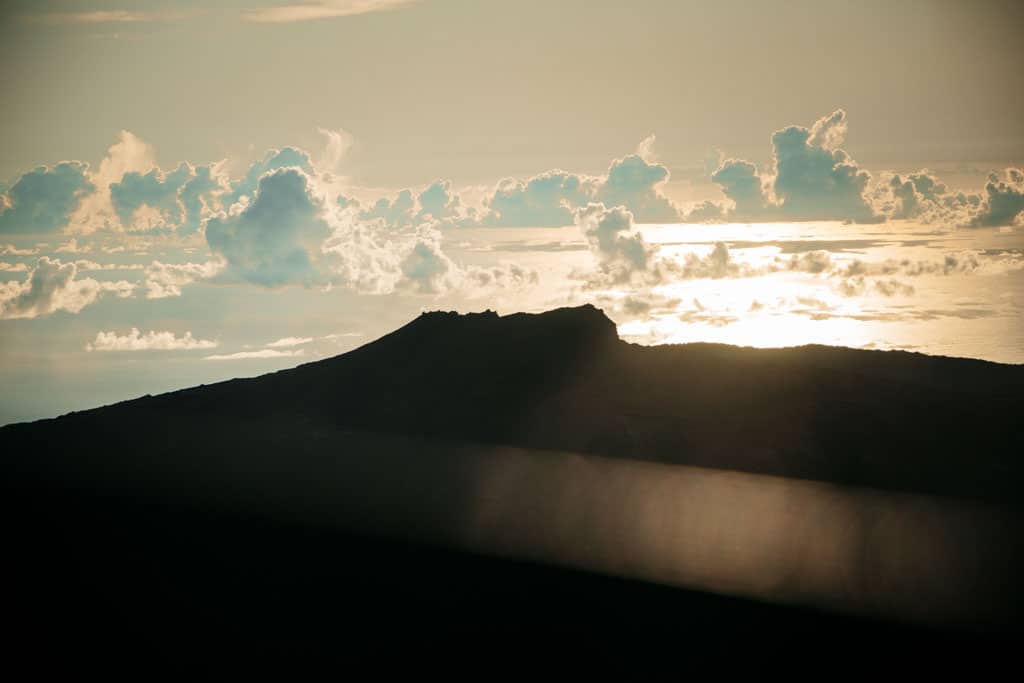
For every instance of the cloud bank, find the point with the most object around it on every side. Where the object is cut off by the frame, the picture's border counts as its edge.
(150, 341)
(812, 178)
(53, 286)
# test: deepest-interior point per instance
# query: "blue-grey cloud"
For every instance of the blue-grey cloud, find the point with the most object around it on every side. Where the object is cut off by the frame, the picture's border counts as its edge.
(273, 160)
(53, 286)
(922, 197)
(742, 185)
(545, 200)
(636, 184)
(397, 212)
(1003, 202)
(277, 238)
(810, 179)
(43, 199)
(180, 198)
(552, 198)
(439, 202)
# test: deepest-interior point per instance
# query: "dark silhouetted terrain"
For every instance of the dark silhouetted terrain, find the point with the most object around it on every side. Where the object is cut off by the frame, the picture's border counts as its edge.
(317, 508)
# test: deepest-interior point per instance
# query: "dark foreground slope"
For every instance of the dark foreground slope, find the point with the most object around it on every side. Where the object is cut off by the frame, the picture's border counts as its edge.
(325, 509)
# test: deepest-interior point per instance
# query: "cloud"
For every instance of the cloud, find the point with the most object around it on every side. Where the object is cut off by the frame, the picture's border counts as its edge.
(438, 202)
(339, 142)
(811, 178)
(42, 200)
(716, 265)
(117, 16)
(636, 304)
(426, 269)
(636, 184)
(273, 160)
(548, 199)
(551, 198)
(397, 212)
(96, 210)
(277, 239)
(178, 200)
(86, 265)
(13, 267)
(321, 10)
(622, 254)
(1003, 201)
(857, 286)
(166, 279)
(545, 200)
(700, 314)
(262, 353)
(287, 342)
(742, 185)
(814, 180)
(150, 341)
(11, 250)
(52, 286)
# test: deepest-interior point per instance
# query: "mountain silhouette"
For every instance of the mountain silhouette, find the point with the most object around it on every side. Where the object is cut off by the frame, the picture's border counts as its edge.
(335, 482)
(563, 380)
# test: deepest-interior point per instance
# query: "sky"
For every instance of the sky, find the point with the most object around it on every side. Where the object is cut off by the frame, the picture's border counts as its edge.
(194, 191)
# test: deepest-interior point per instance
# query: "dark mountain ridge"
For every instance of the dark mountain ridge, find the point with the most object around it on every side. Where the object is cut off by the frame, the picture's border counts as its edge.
(374, 504)
(563, 380)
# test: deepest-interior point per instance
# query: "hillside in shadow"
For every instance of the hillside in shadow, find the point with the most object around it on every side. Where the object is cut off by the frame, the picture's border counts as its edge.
(328, 507)
(563, 380)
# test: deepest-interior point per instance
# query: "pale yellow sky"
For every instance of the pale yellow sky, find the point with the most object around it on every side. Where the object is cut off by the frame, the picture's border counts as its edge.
(475, 90)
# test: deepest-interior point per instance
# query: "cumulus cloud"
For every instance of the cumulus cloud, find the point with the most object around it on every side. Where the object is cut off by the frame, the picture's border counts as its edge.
(166, 279)
(177, 201)
(426, 269)
(277, 239)
(438, 202)
(52, 286)
(622, 255)
(545, 200)
(811, 178)
(96, 210)
(273, 160)
(397, 212)
(289, 235)
(814, 179)
(548, 199)
(43, 200)
(552, 198)
(150, 341)
(1003, 201)
(635, 183)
